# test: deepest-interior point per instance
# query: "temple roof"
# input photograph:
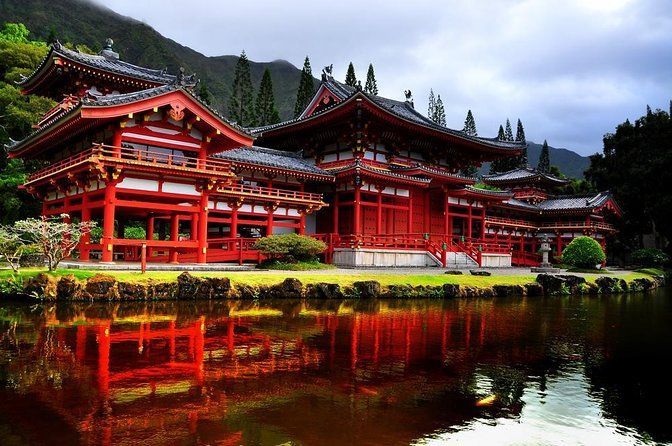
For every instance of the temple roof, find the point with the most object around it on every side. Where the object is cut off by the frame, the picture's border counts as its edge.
(523, 175)
(76, 108)
(106, 60)
(566, 203)
(421, 169)
(401, 109)
(359, 167)
(292, 162)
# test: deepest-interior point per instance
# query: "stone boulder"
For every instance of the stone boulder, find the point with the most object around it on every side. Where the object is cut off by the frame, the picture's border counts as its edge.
(133, 291)
(289, 288)
(534, 289)
(400, 292)
(69, 288)
(574, 283)
(42, 285)
(451, 290)
(188, 286)
(552, 285)
(246, 292)
(471, 292)
(367, 289)
(643, 284)
(509, 290)
(455, 272)
(217, 287)
(102, 287)
(324, 291)
(162, 290)
(608, 285)
(479, 272)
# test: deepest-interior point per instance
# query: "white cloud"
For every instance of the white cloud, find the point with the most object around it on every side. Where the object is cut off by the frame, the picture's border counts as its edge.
(571, 70)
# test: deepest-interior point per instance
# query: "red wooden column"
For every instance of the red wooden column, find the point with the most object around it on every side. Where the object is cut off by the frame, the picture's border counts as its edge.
(334, 223)
(174, 235)
(447, 230)
(302, 222)
(269, 221)
(469, 221)
(202, 229)
(234, 219)
(559, 244)
(379, 209)
(149, 231)
(109, 205)
(483, 224)
(409, 226)
(357, 211)
(86, 238)
(116, 142)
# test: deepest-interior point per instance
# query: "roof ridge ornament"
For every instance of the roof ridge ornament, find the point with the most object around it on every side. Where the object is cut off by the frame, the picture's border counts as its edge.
(327, 72)
(409, 97)
(107, 51)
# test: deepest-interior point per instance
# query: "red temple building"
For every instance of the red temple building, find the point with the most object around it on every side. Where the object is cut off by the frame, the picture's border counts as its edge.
(372, 177)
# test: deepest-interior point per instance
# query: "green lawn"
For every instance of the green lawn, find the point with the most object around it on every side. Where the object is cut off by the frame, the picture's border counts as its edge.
(340, 277)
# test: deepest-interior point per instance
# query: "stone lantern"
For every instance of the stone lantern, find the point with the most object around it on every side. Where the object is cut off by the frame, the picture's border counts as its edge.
(545, 248)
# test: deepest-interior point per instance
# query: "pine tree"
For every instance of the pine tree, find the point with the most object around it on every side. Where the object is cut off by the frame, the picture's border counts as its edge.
(508, 133)
(470, 125)
(266, 111)
(544, 164)
(469, 171)
(648, 110)
(431, 108)
(51, 38)
(306, 88)
(520, 137)
(371, 86)
(439, 112)
(204, 94)
(350, 78)
(500, 134)
(241, 104)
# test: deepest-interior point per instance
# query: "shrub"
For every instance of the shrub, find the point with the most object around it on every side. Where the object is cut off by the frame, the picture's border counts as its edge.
(290, 248)
(135, 233)
(583, 252)
(650, 257)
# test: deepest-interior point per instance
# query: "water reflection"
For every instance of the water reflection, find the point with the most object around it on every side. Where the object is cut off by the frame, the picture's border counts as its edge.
(505, 371)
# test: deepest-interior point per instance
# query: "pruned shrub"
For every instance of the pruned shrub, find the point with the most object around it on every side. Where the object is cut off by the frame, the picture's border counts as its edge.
(290, 247)
(650, 257)
(583, 252)
(135, 233)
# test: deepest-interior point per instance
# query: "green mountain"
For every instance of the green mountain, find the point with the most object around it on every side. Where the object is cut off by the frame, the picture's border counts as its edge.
(83, 22)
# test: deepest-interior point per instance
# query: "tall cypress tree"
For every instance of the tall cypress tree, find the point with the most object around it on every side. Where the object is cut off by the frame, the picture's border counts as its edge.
(500, 134)
(241, 103)
(371, 86)
(520, 137)
(204, 94)
(508, 132)
(266, 111)
(439, 112)
(544, 164)
(306, 88)
(470, 125)
(431, 107)
(350, 78)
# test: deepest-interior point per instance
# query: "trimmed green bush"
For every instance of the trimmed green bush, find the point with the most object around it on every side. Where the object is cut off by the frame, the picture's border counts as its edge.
(583, 252)
(650, 257)
(135, 233)
(290, 248)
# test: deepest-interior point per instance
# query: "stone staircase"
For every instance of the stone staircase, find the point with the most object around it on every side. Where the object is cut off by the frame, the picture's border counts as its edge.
(455, 260)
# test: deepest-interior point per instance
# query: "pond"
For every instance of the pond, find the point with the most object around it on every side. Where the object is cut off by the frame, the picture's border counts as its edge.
(502, 371)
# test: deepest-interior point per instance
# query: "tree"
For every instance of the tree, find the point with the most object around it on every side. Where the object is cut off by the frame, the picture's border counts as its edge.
(439, 112)
(469, 171)
(470, 125)
(306, 88)
(500, 134)
(544, 164)
(11, 247)
(371, 86)
(431, 107)
(508, 133)
(583, 252)
(266, 111)
(241, 103)
(204, 94)
(350, 78)
(520, 137)
(55, 236)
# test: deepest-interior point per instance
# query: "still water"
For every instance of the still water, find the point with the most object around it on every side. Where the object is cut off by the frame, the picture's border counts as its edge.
(557, 371)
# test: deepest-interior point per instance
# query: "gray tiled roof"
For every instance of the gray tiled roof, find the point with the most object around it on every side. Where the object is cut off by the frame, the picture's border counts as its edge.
(110, 64)
(402, 109)
(432, 170)
(564, 203)
(271, 158)
(522, 173)
(521, 204)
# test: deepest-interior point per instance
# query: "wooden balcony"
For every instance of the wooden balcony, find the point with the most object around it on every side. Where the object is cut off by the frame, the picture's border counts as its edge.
(271, 194)
(579, 225)
(510, 222)
(138, 159)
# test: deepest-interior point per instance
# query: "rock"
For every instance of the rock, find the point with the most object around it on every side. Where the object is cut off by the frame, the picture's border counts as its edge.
(508, 290)
(42, 285)
(479, 272)
(574, 283)
(643, 284)
(455, 272)
(608, 285)
(451, 290)
(217, 287)
(188, 286)
(552, 285)
(534, 289)
(471, 292)
(133, 291)
(69, 288)
(102, 287)
(624, 285)
(367, 289)
(290, 288)
(591, 289)
(244, 291)
(163, 290)
(400, 292)
(324, 291)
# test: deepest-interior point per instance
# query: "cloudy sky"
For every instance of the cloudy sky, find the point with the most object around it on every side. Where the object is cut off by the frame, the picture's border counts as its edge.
(569, 69)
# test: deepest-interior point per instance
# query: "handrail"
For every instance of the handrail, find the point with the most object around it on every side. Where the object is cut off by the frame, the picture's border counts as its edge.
(578, 224)
(271, 192)
(509, 221)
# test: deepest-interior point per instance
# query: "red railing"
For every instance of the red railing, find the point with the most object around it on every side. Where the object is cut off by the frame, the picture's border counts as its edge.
(579, 225)
(233, 249)
(523, 258)
(510, 222)
(270, 192)
(137, 157)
